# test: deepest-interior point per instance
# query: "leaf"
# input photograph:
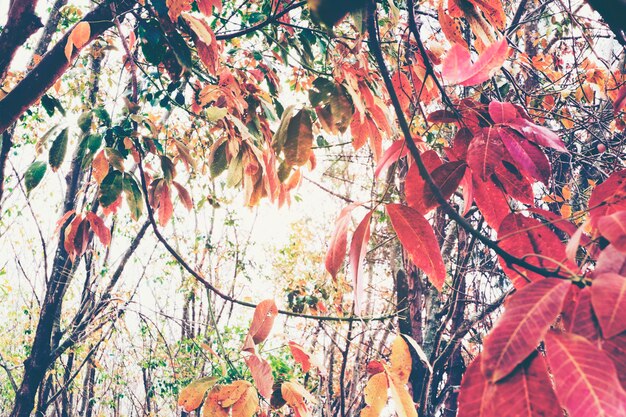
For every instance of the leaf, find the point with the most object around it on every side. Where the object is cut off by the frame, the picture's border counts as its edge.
(358, 249)
(613, 228)
(262, 322)
(475, 397)
(538, 134)
(493, 11)
(190, 397)
(529, 239)
(491, 201)
(418, 239)
(300, 355)
(415, 184)
(397, 150)
(400, 360)
(527, 392)
(608, 295)
(58, 150)
(404, 405)
(578, 316)
(339, 241)
(206, 6)
(526, 155)
(212, 405)
(99, 228)
(485, 153)
(295, 395)
(608, 197)
(34, 174)
(248, 403)
(110, 188)
(611, 259)
(230, 394)
(375, 395)
(299, 139)
(585, 378)
(502, 112)
(615, 349)
(526, 319)
(261, 371)
(620, 100)
(458, 68)
(78, 38)
(176, 7)
(184, 195)
(419, 352)
(280, 136)
(447, 178)
(100, 167)
(134, 197)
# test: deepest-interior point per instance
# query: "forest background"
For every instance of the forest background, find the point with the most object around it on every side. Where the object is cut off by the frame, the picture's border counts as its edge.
(306, 208)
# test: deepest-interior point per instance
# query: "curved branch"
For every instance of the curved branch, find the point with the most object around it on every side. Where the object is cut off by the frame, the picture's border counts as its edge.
(21, 24)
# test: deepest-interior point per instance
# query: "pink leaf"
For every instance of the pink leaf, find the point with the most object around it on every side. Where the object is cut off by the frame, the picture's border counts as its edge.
(585, 378)
(458, 69)
(261, 372)
(358, 249)
(538, 134)
(339, 241)
(608, 296)
(396, 151)
(613, 228)
(502, 112)
(526, 319)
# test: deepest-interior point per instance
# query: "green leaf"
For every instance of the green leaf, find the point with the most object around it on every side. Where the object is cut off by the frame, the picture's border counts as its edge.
(50, 103)
(58, 149)
(84, 121)
(111, 188)
(34, 174)
(218, 162)
(134, 197)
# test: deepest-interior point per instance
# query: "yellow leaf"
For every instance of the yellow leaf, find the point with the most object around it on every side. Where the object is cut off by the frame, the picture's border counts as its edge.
(375, 395)
(400, 395)
(230, 394)
(190, 398)
(400, 360)
(248, 404)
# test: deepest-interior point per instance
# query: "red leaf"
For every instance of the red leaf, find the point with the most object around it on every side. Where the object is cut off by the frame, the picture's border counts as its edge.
(608, 295)
(397, 150)
(559, 222)
(99, 228)
(358, 249)
(261, 374)
(620, 101)
(262, 322)
(206, 6)
(513, 182)
(613, 228)
(476, 396)
(402, 85)
(585, 378)
(538, 134)
(491, 201)
(526, 319)
(608, 197)
(502, 112)
(611, 259)
(339, 241)
(184, 195)
(447, 177)
(527, 392)
(529, 239)
(414, 183)
(458, 69)
(615, 349)
(418, 239)
(577, 315)
(301, 356)
(485, 153)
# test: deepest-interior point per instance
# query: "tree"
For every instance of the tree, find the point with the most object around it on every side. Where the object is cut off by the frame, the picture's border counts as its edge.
(499, 127)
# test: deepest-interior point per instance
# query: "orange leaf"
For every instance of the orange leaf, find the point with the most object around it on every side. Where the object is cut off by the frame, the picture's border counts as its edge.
(375, 394)
(262, 322)
(261, 371)
(295, 395)
(99, 228)
(300, 355)
(190, 397)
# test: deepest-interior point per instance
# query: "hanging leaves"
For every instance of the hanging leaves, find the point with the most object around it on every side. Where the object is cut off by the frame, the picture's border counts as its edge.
(78, 38)
(34, 174)
(339, 241)
(358, 249)
(58, 150)
(262, 322)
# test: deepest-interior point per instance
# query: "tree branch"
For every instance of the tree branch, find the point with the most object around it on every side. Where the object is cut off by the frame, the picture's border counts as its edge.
(55, 63)
(21, 24)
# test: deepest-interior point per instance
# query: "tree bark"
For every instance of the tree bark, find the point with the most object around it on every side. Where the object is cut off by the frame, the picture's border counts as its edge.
(21, 24)
(611, 10)
(54, 64)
